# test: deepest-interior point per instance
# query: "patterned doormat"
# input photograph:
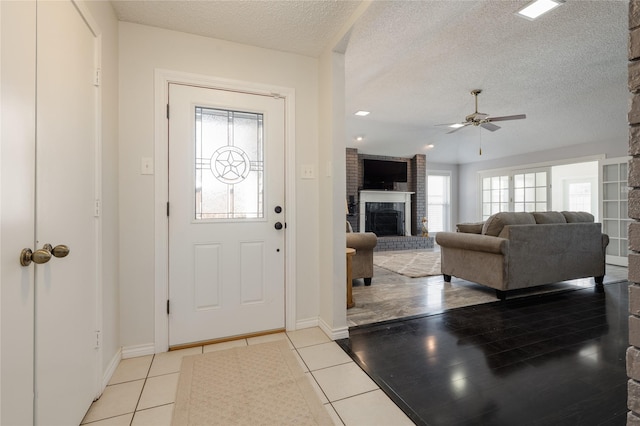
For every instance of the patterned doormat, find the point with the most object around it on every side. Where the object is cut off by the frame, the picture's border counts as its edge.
(250, 385)
(412, 264)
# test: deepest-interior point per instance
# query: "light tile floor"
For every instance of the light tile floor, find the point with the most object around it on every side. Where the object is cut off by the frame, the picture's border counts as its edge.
(142, 390)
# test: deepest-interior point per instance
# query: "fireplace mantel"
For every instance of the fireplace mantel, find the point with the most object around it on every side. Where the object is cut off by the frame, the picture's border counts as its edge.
(372, 196)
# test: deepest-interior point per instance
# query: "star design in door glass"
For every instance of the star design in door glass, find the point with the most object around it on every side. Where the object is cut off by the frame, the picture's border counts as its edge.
(230, 164)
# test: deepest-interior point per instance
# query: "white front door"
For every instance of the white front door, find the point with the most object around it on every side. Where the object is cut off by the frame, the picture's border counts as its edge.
(60, 367)
(226, 214)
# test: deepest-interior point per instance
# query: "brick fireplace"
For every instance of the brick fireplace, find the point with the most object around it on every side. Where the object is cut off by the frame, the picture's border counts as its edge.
(415, 186)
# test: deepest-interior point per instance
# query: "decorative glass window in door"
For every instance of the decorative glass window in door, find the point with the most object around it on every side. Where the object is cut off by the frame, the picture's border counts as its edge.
(229, 164)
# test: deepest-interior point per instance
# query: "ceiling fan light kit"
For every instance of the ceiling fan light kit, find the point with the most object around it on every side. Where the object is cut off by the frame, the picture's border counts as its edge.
(481, 119)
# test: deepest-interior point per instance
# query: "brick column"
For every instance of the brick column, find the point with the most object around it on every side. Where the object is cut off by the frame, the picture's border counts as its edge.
(352, 186)
(633, 353)
(419, 199)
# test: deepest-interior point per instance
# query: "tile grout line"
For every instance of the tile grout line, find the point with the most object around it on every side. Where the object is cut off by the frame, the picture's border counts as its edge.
(135, 409)
(314, 377)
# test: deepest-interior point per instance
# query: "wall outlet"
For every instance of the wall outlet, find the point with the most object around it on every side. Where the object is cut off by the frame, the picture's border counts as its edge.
(308, 171)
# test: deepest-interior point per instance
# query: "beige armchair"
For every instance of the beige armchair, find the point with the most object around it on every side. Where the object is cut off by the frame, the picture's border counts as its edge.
(362, 261)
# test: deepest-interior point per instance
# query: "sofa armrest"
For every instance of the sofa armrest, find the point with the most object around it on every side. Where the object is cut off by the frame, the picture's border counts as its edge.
(361, 240)
(474, 242)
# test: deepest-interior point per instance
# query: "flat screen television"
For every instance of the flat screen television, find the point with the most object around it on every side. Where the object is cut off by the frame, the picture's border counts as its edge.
(382, 174)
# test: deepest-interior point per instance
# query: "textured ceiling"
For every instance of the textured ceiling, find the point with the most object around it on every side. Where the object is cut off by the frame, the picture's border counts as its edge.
(303, 27)
(413, 64)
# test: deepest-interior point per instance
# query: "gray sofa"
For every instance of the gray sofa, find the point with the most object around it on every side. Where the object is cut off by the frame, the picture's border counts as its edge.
(362, 261)
(517, 250)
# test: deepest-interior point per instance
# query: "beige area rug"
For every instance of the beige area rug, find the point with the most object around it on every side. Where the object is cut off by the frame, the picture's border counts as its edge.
(252, 385)
(412, 264)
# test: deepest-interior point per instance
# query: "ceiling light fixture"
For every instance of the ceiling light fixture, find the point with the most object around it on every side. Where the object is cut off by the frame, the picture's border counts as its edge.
(359, 138)
(429, 146)
(538, 8)
(362, 113)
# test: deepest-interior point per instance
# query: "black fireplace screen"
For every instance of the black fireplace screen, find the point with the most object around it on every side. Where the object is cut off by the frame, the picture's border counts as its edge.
(384, 219)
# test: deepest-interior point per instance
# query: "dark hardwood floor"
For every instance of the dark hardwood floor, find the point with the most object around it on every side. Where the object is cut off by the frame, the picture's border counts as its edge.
(556, 359)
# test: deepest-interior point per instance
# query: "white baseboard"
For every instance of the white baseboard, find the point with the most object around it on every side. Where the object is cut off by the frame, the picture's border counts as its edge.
(111, 368)
(334, 334)
(138, 350)
(306, 323)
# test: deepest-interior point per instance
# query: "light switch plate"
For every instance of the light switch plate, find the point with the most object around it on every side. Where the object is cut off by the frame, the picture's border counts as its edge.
(146, 166)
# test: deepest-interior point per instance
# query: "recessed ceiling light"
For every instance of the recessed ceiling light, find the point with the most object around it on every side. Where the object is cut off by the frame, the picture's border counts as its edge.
(456, 125)
(537, 8)
(359, 138)
(429, 146)
(362, 113)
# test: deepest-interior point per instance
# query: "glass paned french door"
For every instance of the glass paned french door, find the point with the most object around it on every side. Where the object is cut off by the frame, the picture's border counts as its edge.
(495, 195)
(530, 192)
(615, 220)
(516, 191)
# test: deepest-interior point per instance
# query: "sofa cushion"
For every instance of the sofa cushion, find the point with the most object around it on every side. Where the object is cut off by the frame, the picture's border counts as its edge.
(577, 217)
(549, 217)
(493, 226)
(470, 228)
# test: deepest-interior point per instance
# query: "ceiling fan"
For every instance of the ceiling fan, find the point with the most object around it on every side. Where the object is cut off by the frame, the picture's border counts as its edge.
(481, 119)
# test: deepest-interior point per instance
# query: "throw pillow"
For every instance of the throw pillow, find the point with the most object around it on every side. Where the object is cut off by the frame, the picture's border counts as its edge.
(549, 217)
(493, 226)
(576, 217)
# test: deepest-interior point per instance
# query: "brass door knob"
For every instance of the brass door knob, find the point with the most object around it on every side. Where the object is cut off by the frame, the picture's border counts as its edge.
(39, 256)
(58, 251)
(42, 255)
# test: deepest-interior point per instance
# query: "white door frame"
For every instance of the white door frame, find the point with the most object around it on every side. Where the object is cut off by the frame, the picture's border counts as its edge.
(102, 379)
(161, 181)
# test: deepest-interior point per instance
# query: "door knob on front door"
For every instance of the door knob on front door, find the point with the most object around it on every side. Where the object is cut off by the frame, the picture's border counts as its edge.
(278, 225)
(39, 256)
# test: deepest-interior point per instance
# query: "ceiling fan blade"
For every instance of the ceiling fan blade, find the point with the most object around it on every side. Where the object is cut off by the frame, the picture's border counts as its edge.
(489, 126)
(447, 124)
(458, 128)
(508, 117)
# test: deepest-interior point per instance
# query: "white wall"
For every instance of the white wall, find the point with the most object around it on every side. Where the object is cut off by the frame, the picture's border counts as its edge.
(105, 17)
(332, 175)
(468, 173)
(142, 50)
